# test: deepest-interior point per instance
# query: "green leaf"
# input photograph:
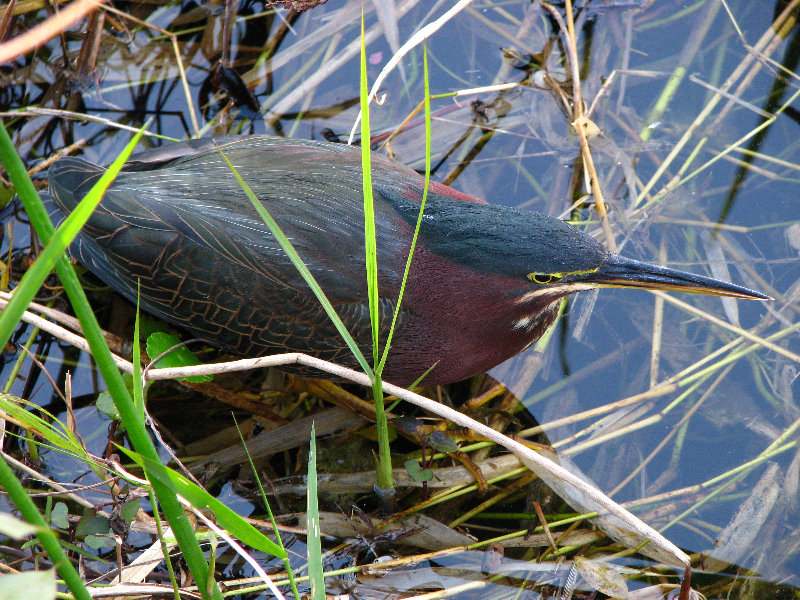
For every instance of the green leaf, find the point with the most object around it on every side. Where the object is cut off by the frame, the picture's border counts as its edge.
(57, 244)
(92, 524)
(129, 510)
(40, 585)
(314, 537)
(201, 500)
(441, 442)
(290, 251)
(50, 429)
(59, 516)
(418, 225)
(149, 326)
(105, 404)
(370, 239)
(97, 541)
(416, 472)
(161, 341)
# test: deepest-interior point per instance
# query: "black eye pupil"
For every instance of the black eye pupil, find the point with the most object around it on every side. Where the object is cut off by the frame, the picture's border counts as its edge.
(544, 278)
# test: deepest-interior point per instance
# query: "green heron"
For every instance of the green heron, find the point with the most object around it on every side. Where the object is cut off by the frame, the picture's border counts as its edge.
(483, 285)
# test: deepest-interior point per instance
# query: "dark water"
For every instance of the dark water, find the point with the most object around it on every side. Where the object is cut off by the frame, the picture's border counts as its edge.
(516, 148)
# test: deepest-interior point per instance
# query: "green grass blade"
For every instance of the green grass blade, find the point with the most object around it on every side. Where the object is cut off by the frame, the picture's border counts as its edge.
(50, 428)
(301, 267)
(384, 473)
(9, 319)
(202, 500)
(134, 424)
(370, 242)
(43, 265)
(136, 360)
(11, 408)
(421, 208)
(314, 537)
(265, 500)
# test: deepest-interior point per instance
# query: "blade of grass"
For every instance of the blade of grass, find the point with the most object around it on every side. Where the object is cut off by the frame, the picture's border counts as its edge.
(164, 547)
(313, 538)
(286, 562)
(370, 242)
(134, 425)
(427, 103)
(385, 483)
(48, 428)
(202, 500)
(301, 267)
(63, 236)
(138, 403)
(136, 360)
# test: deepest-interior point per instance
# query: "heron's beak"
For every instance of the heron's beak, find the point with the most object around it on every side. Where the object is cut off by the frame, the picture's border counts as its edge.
(627, 273)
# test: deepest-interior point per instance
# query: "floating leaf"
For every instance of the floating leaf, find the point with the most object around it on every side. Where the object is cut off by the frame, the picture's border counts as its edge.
(602, 577)
(59, 516)
(91, 524)
(129, 510)
(98, 541)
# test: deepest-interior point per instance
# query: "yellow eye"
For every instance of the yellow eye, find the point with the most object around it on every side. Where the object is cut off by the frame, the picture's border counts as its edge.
(544, 278)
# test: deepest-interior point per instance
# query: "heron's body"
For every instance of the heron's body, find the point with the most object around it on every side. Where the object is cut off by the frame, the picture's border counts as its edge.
(177, 221)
